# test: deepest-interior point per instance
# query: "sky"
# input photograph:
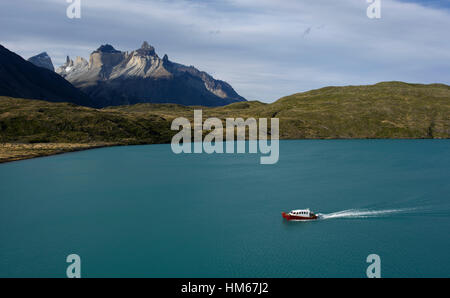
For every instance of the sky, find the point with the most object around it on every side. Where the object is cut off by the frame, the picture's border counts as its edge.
(265, 49)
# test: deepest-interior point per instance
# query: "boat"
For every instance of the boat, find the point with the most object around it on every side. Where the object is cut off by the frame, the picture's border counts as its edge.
(299, 214)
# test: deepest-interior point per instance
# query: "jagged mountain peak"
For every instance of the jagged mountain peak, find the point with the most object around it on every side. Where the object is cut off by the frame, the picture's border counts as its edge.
(106, 48)
(42, 60)
(145, 45)
(43, 54)
(114, 77)
(146, 50)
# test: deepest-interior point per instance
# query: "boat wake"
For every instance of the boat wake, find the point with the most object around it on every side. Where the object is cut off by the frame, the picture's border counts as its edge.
(362, 213)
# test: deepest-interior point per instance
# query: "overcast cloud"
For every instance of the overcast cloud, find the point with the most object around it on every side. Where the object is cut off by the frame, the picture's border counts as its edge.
(265, 49)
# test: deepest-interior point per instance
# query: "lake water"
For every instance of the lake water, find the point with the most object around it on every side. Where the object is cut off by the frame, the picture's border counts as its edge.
(142, 211)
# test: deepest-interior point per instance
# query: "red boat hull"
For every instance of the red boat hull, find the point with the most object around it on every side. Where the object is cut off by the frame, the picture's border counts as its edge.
(296, 217)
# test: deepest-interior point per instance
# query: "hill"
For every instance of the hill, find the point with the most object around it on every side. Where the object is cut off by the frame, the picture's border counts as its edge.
(21, 78)
(384, 110)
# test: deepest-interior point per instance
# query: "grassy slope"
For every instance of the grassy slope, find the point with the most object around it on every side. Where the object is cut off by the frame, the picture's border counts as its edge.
(34, 121)
(384, 110)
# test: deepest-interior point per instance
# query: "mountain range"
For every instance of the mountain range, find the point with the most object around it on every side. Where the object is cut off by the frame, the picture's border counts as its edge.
(113, 77)
(20, 78)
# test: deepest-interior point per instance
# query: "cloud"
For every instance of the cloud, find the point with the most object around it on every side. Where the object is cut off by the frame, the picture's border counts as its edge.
(258, 46)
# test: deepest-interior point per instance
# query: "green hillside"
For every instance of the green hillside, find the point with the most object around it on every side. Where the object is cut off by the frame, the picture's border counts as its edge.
(384, 110)
(35, 121)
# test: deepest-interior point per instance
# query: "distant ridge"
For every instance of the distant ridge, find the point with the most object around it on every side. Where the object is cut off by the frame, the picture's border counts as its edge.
(42, 60)
(113, 77)
(20, 78)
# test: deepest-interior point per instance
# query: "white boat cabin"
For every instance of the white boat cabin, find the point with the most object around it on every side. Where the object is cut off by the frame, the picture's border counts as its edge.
(301, 212)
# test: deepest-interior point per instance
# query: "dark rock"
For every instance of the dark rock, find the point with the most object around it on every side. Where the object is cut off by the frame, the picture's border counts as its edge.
(42, 60)
(22, 79)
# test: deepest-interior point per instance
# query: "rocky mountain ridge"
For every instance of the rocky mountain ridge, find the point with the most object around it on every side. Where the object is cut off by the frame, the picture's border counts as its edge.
(113, 77)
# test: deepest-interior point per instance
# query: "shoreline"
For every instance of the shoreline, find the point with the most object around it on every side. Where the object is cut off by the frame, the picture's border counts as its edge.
(11, 152)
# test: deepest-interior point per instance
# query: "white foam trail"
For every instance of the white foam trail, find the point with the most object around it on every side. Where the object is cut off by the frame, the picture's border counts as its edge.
(361, 213)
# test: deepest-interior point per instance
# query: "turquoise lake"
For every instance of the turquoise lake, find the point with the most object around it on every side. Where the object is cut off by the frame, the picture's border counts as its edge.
(143, 211)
